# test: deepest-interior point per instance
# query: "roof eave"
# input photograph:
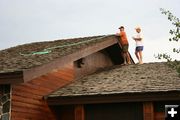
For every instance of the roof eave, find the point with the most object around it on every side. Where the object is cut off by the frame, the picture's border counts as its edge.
(114, 98)
(13, 77)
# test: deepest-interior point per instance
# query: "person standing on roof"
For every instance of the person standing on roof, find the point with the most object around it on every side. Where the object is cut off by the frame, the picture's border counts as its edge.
(139, 44)
(125, 45)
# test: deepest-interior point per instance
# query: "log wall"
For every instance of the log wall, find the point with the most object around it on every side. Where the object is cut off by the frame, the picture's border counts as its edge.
(27, 98)
(148, 110)
(159, 116)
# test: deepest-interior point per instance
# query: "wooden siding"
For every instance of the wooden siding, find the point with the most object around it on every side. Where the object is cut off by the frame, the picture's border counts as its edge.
(159, 116)
(79, 112)
(27, 98)
(148, 110)
(92, 63)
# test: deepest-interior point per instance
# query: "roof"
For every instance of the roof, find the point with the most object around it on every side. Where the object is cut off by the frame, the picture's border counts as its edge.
(35, 54)
(145, 78)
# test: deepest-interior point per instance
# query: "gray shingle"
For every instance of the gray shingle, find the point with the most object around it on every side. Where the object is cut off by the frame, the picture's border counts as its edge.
(12, 60)
(151, 77)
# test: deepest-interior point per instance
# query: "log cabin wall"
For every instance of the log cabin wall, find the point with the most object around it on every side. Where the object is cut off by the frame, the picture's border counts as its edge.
(148, 110)
(92, 63)
(27, 98)
(79, 112)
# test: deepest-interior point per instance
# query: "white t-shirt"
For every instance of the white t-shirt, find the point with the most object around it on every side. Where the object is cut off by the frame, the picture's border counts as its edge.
(138, 42)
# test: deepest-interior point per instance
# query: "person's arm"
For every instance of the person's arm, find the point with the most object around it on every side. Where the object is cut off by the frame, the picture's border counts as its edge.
(138, 39)
(117, 34)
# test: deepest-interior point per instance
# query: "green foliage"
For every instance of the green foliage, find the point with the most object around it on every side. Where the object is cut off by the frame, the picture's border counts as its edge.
(164, 56)
(175, 36)
(175, 32)
(176, 65)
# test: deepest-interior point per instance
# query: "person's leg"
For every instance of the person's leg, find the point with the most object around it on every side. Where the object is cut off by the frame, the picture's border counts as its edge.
(124, 57)
(128, 58)
(127, 54)
(137, 56)
(140, 56)
(124, 48)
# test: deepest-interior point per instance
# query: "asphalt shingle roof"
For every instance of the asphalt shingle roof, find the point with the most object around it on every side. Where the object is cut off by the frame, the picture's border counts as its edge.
(20, 57)
(150, 77)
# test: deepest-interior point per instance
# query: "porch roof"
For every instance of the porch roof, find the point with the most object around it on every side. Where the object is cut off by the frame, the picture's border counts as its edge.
(146, 78)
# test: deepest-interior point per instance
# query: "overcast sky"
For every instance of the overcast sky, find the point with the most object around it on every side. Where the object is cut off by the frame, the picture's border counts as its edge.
(26, 21)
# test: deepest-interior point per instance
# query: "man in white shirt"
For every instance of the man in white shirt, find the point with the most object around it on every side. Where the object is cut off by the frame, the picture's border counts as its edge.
(139, 44)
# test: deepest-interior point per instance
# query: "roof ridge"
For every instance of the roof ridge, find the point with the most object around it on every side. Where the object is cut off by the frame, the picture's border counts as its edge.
(55, 40)
(49, 50)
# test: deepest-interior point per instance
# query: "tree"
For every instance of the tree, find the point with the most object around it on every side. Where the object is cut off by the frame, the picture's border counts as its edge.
(175, 36)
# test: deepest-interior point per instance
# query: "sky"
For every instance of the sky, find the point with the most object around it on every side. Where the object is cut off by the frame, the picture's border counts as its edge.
(26, 21)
